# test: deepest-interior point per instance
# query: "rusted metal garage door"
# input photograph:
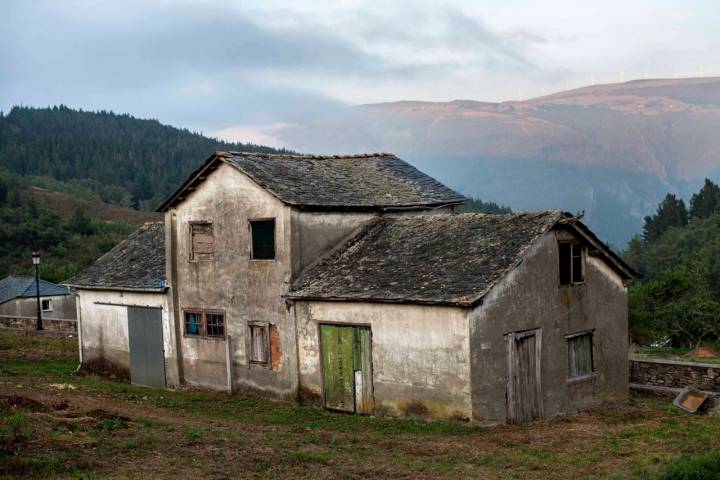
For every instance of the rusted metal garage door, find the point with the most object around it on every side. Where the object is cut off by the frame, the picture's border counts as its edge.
(347, 368)
(147, 357)
(524, 401)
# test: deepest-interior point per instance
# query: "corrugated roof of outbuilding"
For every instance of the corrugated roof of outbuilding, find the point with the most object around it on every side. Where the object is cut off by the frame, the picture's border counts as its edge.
(22, 287)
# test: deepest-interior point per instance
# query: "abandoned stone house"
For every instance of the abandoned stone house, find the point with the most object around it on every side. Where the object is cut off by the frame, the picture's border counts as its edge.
(352, 282)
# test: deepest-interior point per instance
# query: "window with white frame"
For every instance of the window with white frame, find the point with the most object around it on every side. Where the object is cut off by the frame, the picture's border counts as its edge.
(46, 305)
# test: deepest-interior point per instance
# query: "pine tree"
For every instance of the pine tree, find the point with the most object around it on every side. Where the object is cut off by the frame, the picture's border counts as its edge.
(706, 201)
(671, 212)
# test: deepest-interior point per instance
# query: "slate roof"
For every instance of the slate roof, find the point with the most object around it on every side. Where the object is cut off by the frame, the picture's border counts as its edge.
(136, 263)
(343, 182)
(22, 287)
(437, 259)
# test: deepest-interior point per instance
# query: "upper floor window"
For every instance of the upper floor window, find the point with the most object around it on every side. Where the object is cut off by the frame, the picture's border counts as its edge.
(202, 241)
(571, 263)
(263, 239)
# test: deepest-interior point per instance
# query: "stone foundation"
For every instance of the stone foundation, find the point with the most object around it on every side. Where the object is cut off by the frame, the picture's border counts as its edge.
(51, 325)
(669, 374)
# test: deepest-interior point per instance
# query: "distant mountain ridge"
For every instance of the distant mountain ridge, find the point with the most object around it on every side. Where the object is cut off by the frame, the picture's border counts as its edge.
(611, 150)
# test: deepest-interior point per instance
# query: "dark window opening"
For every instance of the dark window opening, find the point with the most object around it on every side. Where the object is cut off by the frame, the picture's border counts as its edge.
(193, 321)
(263, 239)
(215, 324)
(202, 241)
(46, 305)
(580, 355)
(571, 263)
(258, 343)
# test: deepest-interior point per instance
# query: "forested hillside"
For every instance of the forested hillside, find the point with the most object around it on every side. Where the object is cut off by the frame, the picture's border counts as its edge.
(679, 258)
(121, 159)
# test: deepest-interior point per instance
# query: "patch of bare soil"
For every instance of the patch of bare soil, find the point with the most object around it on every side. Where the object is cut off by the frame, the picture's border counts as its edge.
(703, 352)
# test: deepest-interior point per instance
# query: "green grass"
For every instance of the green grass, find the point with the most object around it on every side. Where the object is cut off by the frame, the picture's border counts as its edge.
(197, 434)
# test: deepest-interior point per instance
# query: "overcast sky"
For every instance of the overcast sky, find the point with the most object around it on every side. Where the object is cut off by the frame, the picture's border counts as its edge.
(245, 69)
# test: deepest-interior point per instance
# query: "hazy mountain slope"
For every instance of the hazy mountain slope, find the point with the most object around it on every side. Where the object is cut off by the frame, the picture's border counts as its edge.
(611, 150)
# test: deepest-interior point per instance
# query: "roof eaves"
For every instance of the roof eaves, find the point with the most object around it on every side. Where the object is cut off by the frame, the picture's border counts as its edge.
(117, 289)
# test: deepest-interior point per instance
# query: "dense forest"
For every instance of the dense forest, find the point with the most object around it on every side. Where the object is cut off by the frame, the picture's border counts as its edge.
(118, 158)
(477, 205)
(678, 254)
(66, 245)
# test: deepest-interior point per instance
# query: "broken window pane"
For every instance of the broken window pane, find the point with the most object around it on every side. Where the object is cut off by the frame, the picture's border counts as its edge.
(203, 241)
(192, 323)
(215, 324)
(263, 239)
(580, 358)
(258, 343)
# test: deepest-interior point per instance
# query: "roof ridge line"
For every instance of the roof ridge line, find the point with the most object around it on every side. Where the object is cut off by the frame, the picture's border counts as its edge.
(232, 153)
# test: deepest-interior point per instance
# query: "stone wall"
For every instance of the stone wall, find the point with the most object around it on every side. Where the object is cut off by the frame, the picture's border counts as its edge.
(673, 374)
(51, 325)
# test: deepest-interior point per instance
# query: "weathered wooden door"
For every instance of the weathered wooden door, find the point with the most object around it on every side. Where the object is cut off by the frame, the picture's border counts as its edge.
(147, 356)
(524, 401)
(347, 368)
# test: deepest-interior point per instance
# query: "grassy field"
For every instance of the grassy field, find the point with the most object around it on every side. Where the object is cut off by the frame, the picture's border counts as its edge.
(55, 423)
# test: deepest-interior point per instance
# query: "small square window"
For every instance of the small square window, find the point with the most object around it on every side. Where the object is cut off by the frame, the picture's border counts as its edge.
(202, 241)
(215, 324)
(46, 305)
(258, 343)
(193, 323)
(571, 263)
(580, 355)
(263, 239)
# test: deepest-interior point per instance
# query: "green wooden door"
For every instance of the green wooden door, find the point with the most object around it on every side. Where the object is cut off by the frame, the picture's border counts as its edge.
(347, 368)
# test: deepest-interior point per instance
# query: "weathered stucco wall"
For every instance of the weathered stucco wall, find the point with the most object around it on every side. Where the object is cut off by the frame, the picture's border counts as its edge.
(104, 329)
(530, 297)
(420, 355)
(63, 307)
(314, 233)
(245, 290)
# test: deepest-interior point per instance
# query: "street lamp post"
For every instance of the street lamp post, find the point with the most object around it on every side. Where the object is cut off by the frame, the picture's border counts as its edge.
(36, 262)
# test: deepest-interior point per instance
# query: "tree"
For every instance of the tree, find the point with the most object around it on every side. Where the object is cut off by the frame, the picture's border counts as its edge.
(477, 205)
(706, 201)
(3, 190)
(671, 212)
(80, 223)
(633, 255)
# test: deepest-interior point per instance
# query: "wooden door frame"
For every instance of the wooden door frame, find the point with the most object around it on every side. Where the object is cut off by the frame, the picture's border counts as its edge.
(511, 338)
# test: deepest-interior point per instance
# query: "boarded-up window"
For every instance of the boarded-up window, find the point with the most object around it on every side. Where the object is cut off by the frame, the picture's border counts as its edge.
(215, 324)
(202, 240)
(580, 355)
(263, 239)
(258, 343)
(571, 263)
(193, 323)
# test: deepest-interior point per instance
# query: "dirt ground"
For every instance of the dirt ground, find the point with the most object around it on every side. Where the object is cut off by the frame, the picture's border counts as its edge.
(56, 423)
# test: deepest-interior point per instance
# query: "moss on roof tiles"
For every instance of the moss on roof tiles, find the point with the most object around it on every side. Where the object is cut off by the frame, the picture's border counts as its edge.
(443, 259)
(136, 263)
(370, 180)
